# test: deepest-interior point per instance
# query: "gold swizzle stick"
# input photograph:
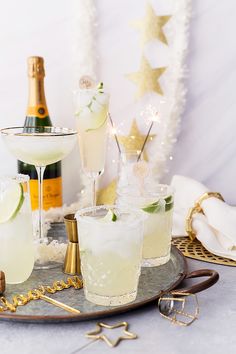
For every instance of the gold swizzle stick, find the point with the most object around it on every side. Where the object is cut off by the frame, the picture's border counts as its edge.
(59, 304)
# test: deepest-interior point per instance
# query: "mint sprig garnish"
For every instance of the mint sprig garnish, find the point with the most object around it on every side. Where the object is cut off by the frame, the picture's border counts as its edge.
(100, 87)
(114, 217)
(168, 199)
(99, 90)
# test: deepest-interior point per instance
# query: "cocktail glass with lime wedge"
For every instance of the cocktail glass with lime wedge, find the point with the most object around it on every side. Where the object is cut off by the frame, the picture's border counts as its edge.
(16, 231)
(91, 120)
(158, 208)
(111, 241)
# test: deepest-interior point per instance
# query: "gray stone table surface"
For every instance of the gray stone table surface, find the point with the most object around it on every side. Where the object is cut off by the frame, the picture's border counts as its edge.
(214, 331)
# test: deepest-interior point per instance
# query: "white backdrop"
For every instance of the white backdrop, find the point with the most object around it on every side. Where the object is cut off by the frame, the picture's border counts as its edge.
(206, 146)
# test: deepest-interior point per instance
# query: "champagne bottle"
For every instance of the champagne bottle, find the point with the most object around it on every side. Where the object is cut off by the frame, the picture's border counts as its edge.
(37, 115)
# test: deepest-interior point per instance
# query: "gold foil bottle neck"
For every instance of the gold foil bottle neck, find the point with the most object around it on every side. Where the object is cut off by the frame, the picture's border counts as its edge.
(36, 67)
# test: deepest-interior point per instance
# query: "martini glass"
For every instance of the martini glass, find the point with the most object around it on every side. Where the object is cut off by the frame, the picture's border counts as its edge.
(40, 146)
(92, 125)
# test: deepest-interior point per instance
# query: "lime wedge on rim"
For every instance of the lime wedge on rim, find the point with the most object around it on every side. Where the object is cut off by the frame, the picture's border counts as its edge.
(110, 216)
(152, 208)
(156, 206)
(11, 200)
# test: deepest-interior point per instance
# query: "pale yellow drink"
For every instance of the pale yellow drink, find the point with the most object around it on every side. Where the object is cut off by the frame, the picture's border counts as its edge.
(158, 209)
(40, 149)
(111, 254)
(157, 238)
(92, 144)
(16, 236)
(114, 274)
(91, 121)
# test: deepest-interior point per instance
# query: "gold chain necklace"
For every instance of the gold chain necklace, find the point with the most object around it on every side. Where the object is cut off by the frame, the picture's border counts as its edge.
(39, 293)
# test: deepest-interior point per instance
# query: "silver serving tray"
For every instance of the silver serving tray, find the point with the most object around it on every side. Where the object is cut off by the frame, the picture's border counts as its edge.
(153, 281)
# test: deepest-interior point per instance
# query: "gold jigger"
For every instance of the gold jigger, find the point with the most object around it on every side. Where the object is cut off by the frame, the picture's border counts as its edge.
(72, 258)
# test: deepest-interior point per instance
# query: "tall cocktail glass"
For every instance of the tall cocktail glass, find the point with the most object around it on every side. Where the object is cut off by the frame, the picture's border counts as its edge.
(16, 229)
(91, 120)
(40, 146)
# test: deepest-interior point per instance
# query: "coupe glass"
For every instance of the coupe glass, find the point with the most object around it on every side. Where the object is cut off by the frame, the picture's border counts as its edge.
(40, 146)
(92, 125)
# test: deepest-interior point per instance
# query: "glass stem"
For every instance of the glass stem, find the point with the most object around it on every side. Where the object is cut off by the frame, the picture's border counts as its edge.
(40, 171)
(94, 192)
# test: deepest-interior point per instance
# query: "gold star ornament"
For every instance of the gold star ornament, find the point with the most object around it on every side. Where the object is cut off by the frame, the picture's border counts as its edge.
(97, 333)
(146, 79)
(151, 26)
(134, 141)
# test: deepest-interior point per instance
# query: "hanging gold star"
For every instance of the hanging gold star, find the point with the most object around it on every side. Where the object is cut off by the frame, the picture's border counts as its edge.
(134, 141)
(151, 26)
(146, 78)
(107, 195)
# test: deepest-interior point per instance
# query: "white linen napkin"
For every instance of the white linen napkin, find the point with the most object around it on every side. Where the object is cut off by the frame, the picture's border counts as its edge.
(216, 230)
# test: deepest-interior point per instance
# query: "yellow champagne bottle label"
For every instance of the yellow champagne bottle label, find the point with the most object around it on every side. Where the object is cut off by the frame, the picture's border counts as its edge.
(39, 111)
(52, 195)
(37, 115)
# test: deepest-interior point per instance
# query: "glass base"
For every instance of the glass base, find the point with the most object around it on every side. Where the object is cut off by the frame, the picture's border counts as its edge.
(16, 282)
(47, 265)
(154, 262)
(110, 300)
(47, 255)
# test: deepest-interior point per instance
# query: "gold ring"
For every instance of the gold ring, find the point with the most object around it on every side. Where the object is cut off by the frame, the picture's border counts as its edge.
(197, 208)
(209, 195)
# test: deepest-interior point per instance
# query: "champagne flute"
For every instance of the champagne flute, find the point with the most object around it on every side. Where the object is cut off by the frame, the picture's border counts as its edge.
(92, 125)
(40, 146)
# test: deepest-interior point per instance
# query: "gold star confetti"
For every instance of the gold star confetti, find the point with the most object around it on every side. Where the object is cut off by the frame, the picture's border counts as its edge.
(134, 141)
(107, 195)
(97, 333)
(151, 26)
(147, 78)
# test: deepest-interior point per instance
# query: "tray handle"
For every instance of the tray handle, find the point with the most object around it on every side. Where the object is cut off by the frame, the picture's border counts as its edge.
(2, 282)
(212, 275)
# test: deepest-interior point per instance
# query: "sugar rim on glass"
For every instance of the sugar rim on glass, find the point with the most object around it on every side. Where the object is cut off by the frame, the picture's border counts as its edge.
(121, 210)
(147, 193)
(55, 131)
(19, 178)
